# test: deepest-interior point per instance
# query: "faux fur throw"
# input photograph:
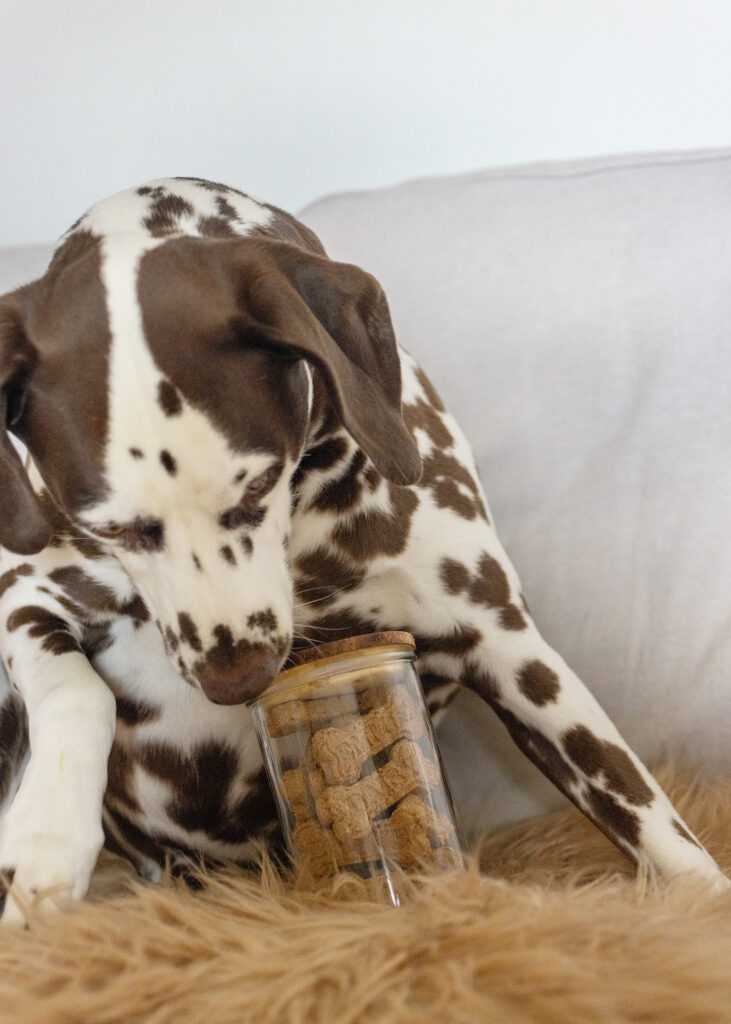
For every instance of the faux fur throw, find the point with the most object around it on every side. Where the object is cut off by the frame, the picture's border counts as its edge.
(554, 929)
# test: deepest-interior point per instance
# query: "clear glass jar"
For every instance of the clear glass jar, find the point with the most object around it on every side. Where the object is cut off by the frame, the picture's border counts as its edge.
(350, 752)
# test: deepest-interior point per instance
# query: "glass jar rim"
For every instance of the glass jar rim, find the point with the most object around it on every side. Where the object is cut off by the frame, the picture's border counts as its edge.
(344, 656)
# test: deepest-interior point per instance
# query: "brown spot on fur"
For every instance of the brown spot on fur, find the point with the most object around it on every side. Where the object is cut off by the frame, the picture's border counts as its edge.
(341, 494)
(120, 777)
(249, 516)
(145, 534)
(431, 681)
(225, 208)
(322, 574)
(189, 632)
(95, 638)
(169, 398)
(168, 462)
(136, 608)
(320, 458)
(429, 389)
(461, 641)
(490, 586)
(136, 841)
(165, 214)
(511, 617)
(215, 227)
(172, 640)
(265, 620)
(682, 831)
(538, 682)
(448, 495)
(134, 712)
(601, 757)
(420, 416)
(442, 473)
(136, 453)
(334, 626)
(11, 577)
(200, 784)
(538, 748)
(227, 554)
(54, 631)
(89, 593)
(614, 820)
(454, 575)
(374, 532)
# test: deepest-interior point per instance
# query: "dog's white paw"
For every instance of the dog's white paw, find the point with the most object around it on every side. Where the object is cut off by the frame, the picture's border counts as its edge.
(46, 855)
(47, 875)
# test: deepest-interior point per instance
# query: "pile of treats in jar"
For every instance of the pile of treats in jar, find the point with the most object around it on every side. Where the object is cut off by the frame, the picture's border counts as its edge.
(361, 792)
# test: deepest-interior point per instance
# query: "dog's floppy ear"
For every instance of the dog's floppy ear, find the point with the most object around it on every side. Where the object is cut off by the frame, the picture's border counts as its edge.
(23, 527)
(336, 316)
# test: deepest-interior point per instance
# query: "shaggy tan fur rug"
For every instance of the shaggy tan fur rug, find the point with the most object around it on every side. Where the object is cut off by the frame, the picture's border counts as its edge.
(555, 930)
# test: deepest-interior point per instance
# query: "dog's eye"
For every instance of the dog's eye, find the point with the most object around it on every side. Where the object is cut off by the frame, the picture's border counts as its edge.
(110, 532)
(262, 484)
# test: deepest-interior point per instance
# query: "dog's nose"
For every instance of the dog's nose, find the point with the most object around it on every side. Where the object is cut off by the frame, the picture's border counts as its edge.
(244, 679)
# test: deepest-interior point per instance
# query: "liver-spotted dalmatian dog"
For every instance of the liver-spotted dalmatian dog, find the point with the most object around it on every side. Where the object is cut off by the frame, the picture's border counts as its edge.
(231, 456)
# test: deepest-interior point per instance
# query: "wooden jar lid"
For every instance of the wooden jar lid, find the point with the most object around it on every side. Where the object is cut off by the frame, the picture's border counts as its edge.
(352, 643)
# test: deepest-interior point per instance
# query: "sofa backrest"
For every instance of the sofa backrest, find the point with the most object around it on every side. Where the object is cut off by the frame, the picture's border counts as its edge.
(577, 319)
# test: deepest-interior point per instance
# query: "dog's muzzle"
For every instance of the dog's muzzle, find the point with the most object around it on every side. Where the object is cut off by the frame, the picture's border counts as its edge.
(251, 673)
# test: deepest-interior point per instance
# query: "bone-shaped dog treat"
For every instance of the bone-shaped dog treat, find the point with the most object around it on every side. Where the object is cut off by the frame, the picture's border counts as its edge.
(408, 835)
(324, 853)
(340, 751)
(350, 809)
(414, 815)
(294, 715)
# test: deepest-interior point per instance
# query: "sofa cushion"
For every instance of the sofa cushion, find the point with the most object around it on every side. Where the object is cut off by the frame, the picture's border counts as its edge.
(576, 316)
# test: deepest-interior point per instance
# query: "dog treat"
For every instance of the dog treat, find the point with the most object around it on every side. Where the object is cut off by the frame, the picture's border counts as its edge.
(299, 714)
(413, 815)
(296, 790)
(415, 834)
(350, 809)
(340, 751)
(324, 853)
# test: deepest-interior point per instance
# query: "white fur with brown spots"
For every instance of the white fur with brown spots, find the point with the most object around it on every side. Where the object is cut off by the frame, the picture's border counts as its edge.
(233, 476)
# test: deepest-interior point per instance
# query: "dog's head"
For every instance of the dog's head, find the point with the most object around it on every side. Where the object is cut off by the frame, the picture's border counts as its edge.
(164, 391)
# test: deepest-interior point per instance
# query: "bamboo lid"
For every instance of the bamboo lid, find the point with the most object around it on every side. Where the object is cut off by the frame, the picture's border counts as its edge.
(352, 643)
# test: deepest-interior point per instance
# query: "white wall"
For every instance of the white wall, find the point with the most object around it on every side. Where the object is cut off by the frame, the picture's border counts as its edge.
(293, 99)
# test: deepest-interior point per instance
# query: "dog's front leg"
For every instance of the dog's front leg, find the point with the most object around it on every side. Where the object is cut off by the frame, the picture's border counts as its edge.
(555, 720)
(52, 833)
(487, 641)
